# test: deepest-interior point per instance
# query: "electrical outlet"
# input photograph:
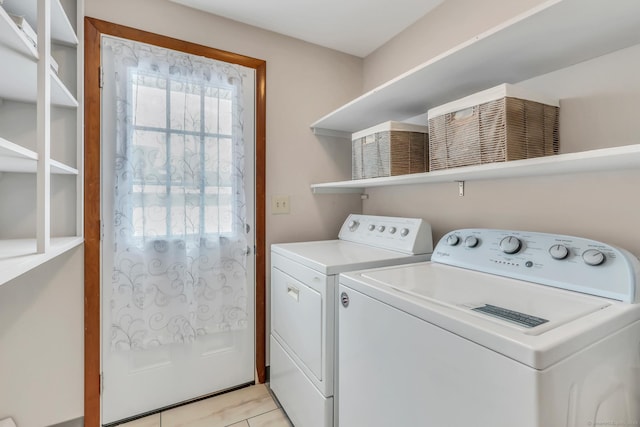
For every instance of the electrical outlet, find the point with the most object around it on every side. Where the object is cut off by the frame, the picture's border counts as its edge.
(280, 205)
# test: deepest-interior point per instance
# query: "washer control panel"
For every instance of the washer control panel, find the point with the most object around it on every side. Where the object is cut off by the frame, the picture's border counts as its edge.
(406, 235)
(566, 262)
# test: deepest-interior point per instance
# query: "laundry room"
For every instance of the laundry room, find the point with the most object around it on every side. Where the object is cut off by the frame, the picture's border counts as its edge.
(233, 253)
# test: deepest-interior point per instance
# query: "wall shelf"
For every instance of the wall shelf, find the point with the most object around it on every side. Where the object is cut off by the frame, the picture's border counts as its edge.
(61, 29)
(18, 80)
(617, 158)
(555, 35)
(15, 158)
(17, 256)
(53, 230)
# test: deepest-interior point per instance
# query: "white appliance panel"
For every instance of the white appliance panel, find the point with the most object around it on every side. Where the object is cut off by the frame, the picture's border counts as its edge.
(396, 368)
(298, 319)
(446, 296)
(305, 405)
(337, 256)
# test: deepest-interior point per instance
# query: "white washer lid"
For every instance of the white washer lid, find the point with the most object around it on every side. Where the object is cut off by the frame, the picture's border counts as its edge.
(446, 296)
(337, 256)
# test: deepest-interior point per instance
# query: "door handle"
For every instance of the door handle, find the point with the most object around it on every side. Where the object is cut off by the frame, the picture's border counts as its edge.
(293, 292)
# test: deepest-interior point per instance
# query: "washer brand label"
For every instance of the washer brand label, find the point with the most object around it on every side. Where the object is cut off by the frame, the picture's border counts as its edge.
(345, 299)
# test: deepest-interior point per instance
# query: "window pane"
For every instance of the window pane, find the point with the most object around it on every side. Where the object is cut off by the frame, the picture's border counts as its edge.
(183, 185)
(149, 156)
(225, 161)
(149, 101)
(185, 106)
(225, 112)
(211, 110)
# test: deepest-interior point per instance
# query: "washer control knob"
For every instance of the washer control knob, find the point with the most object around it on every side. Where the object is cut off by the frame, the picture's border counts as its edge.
(593, 257)
(392, 230)
(372, 227)
(510, 245)
(381, 228)
(558, 251)
(471, 241)
(353, 225)
(452, 240)
(404, 232)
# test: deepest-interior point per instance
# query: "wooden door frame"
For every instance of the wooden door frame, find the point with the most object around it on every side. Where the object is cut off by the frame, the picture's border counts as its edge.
(94, 28)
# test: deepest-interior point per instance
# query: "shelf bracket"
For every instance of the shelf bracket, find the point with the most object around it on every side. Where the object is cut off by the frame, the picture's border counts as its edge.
(460, 188)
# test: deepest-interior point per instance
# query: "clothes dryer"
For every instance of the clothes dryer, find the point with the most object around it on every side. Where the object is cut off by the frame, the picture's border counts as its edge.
(304, 280)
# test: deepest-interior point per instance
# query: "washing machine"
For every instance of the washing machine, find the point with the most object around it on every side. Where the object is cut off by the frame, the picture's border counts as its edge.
(499, 329)
(304, 280)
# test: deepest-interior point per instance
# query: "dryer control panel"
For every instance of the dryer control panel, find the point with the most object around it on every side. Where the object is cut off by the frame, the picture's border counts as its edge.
(406, 235)
(565, 262)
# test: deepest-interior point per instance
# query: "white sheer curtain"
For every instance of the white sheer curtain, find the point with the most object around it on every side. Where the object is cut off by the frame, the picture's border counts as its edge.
(180, 242)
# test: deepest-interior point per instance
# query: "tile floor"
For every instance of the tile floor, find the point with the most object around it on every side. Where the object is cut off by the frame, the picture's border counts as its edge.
(248, 407)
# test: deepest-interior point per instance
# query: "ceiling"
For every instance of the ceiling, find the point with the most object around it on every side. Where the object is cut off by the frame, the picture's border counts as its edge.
(356, 27)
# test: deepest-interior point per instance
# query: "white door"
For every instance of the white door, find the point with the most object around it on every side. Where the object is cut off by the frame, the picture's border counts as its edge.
(144, 376)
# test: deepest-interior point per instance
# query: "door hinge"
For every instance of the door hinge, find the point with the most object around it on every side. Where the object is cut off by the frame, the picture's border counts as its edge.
(101, 230)
(101, 383)
(101, 77)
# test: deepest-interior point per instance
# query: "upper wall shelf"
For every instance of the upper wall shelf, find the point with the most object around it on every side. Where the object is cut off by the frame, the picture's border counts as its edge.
(14, 158)
(20, 255)
(555, 35)
(18, 73)
(61, 29)
(617, 158)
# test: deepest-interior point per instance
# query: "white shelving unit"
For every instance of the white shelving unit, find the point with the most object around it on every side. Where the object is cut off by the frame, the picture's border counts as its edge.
(553, 36)
(617, 158)
(27, 78)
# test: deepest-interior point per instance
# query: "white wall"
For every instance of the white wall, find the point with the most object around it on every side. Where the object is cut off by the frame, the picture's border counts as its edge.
(599, 101)
(41, 343)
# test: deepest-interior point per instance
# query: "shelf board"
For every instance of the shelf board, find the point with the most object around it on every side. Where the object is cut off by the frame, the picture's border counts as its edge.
(552, 36)
(61, 28)
(19, 76)
(15, 158)
(13, 38)
(617, 158)
(17, 256)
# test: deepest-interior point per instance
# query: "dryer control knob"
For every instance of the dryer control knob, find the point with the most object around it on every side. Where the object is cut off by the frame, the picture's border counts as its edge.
(353, 225)
(381, 228)
(404, 232)
(510, 245)
(593, 257)
(372, 227)
(392, 230)
(452, 240)
(471, 241)
(558, 251)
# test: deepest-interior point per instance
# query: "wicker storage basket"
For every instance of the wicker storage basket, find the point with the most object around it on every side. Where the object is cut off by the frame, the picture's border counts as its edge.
(388, 149)
(500, 124)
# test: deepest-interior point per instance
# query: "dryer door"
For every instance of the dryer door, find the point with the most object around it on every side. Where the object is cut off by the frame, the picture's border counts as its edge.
(302, 312)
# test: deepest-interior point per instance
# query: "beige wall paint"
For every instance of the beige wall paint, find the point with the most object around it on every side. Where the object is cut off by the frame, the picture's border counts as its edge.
(41, 343)
(451, 23)
(599, 101)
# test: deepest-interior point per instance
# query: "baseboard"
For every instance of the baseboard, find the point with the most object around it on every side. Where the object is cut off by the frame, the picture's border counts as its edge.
(77, 422)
